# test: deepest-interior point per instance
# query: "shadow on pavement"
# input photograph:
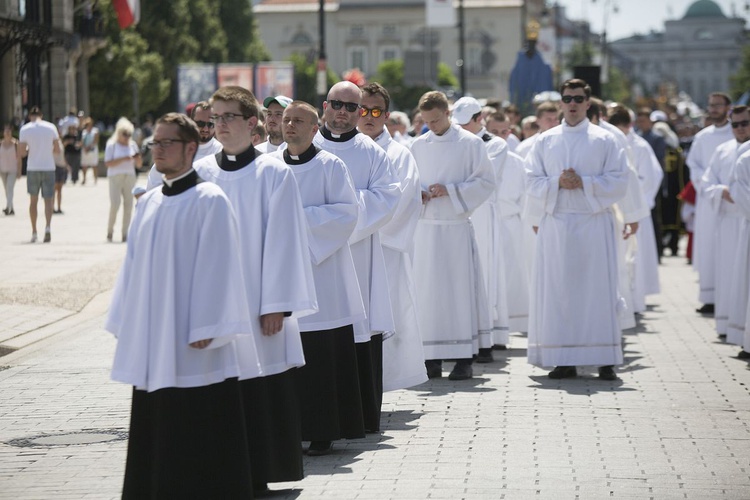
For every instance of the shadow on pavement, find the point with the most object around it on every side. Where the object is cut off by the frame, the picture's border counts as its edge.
(399, 420)
(583, 385)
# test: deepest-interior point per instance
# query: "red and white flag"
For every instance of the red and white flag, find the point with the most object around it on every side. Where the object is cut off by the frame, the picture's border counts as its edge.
(128, 12)
(440, 13)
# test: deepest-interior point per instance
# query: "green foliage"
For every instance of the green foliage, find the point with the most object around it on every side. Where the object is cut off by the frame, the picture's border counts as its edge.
(169, 33)
(390, 74)
(581, 54)
(305, 78)
(617, 88)
(740, 81)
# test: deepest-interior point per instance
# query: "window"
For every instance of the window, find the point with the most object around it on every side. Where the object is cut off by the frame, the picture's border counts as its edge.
(389, 52)
(357, 31)
(301, 38)
(474, 61)
(389, 30)
(358, 58)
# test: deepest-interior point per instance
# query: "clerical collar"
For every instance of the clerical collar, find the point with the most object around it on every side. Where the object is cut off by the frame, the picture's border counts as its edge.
(338, 137)
(306, 156)
(172, 187)
(230, 163)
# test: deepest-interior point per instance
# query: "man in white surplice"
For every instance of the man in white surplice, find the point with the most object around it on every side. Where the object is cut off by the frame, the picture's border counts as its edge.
(739, 191)
(577, 171)
(403, 355)
(715, 194)
(378, 194)
(467, 112)
(457, 177)
(698, 159)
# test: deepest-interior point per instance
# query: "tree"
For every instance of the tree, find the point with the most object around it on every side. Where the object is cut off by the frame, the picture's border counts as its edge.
(244, 45)
(617, 88)
(740, 81)
(390, 74)
(306, 76)
(581, 54)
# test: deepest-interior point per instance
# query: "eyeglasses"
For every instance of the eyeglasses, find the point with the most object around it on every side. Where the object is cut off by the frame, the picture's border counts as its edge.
(125, 134)
(165, 143)
(227, 117)
(375, 112)
(743, 123)
(202, 124)
(350, 106)
(577, 98)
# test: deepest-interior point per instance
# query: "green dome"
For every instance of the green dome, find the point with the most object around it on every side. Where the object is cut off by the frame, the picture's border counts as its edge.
(704, 8)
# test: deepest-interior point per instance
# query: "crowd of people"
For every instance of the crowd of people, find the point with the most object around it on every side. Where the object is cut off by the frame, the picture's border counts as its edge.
(284, 269)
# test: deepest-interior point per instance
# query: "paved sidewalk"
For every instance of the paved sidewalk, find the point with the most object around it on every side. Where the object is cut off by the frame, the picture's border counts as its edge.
(676, 426)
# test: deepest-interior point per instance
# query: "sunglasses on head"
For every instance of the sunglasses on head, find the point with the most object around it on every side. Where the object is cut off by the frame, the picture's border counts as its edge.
(375, 112)
(743, 123)
(577, 98)
(202, 124)
(337, 105)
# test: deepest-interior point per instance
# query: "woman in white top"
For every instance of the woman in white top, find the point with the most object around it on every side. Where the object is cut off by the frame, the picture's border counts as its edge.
(121, 158)
(90, 148)
(10, 166)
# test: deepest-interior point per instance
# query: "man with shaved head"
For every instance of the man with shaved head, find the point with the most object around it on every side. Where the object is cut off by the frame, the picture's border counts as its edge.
(378, 194)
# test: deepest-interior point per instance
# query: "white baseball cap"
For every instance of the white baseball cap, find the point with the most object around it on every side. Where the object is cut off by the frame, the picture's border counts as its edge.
(464, 109)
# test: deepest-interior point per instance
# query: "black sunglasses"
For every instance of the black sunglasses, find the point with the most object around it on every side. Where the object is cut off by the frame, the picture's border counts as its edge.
(577, 98)
(202, 124)
(350, 106)
(743, 123)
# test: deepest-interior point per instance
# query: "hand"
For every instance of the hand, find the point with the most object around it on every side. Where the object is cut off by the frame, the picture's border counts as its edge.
(629, 230)
(271, 323)
(425, 197)
(726, 196)
(438, 190)
(569, 179)
(201, 344)
(536, 229)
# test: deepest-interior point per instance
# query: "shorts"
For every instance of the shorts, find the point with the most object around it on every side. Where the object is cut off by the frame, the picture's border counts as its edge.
(61, 175)
(45, 181)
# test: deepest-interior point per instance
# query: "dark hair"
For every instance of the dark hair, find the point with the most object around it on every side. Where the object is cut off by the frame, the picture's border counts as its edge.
(35, 111)
(375, 88)
(727, 99)
(595, 110)
(249, 106)
(188, 130)
(197, 106)
(644, 112)
(739, 110)
(576, 83)
(619, 115)
(498, 116)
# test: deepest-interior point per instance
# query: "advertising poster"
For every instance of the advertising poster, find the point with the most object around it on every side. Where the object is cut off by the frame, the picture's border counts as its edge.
(240, 75)
(274, 78)
(195, 82)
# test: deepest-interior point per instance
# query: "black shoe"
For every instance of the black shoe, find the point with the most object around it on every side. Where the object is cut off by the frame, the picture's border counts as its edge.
(462, 371)
(563, 372)
(260, 490)
(705, 309)
(6, 211)
(722, 336)
(47, 237)
(124, 238)
(743, 354)
(607, 373)
(319, 448)
(499, 347)
(485, 355)
(434, 368)
(11, 212)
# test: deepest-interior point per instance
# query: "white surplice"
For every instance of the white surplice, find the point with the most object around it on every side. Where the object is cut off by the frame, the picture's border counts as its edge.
(524, 147)
(739, 188)
(650, 175)
(486, 222)
(275, 252)
(268, 148)
(331, 209)
(516, 241)
(403, 354)
(181, 282)
(727, 218)
(451, 300)
(698, 160)
(573, 318)
(378, 194)
(209, 148)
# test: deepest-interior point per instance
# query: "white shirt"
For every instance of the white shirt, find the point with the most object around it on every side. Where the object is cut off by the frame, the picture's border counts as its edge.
(40, 137)
(116, 150)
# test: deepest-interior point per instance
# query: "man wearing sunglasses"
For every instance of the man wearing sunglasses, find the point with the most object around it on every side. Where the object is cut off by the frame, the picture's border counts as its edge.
(698, 160)
(467, 112)
(378, 193)
(575, 172)
(715, 190)
(403, 357)
(201, 115)
(278, 274)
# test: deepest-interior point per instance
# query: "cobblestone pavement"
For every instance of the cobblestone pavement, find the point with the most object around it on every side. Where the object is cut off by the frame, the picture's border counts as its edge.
(677, 425)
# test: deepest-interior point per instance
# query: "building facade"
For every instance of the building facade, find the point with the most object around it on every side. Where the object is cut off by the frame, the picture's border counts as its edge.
(44, 50)
(696, 54)
(363, 33)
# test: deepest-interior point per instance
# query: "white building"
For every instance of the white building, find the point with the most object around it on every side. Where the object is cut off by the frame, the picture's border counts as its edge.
(697, 53)
(363, 33)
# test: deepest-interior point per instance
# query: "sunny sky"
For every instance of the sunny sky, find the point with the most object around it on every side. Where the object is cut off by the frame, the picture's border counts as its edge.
(639, 16)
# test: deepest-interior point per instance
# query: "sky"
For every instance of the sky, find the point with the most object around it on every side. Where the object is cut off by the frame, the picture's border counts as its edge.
(638, 16)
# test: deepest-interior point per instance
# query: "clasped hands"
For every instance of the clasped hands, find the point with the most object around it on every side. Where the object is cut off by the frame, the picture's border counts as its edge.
(434, 191)
(569, 179)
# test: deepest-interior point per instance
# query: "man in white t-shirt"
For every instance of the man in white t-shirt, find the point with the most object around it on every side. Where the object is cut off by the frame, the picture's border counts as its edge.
(39, 140)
